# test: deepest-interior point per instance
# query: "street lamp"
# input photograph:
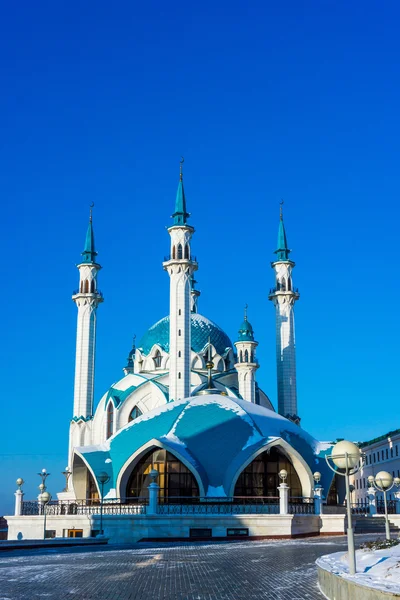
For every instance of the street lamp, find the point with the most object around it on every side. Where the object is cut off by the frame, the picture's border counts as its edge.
(384, 482)
(347, 457)
(102, 478)
(67, 474)
(45, 498)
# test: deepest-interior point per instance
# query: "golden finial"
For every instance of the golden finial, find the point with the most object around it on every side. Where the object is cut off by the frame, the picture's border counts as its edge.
(180, 168)
(281, 210)
(91, 207)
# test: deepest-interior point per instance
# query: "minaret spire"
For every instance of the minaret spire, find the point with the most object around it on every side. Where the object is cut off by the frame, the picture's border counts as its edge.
(87, 298)
(284, 296)
(180, 215)
(180, 267)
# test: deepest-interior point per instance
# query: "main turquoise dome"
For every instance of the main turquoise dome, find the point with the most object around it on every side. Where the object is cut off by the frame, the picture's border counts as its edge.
(201, 329)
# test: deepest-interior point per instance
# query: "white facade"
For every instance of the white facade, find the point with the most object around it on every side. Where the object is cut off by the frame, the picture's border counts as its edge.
(381, 454)
(180, 268)
(284, 298)
(246, 366)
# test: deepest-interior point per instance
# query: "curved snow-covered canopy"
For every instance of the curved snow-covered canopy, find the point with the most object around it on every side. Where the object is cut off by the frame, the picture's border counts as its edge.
(215, 436)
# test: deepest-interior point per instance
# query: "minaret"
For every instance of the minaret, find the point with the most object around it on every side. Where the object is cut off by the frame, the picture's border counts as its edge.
(246, 365)
(180, 267)
(87, 298)
(283, 295)
(194, 296)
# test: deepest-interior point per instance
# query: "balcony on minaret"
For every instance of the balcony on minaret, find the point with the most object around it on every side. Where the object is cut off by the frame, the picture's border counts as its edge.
(279, 290)
(96, 293)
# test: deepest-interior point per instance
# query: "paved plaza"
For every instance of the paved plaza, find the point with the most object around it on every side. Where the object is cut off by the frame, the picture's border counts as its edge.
(272, 569)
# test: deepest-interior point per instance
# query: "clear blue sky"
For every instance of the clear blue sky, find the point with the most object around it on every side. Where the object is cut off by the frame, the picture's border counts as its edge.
(266, 100)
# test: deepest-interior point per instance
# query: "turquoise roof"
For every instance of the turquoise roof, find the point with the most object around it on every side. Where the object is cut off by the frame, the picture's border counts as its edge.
(282, 250)
(89, 254)
(246, 333)
(214, 434)
(180, 215)
(201, 329)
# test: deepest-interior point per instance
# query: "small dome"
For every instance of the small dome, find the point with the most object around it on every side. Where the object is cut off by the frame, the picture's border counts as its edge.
(246, 333)
(201, 329)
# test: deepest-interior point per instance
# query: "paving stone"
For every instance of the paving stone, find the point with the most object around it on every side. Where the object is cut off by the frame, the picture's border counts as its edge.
(270, 569)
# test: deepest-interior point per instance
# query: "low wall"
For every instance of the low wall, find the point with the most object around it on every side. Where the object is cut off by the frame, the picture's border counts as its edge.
(332, 524)
(132, 528)
(337, 588)
(31, 527)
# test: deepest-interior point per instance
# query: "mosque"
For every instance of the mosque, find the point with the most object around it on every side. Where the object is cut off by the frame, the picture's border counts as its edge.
(188, 416)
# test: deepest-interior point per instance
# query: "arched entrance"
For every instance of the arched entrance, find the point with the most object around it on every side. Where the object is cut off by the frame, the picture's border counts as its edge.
(260, 477)
(175, 479)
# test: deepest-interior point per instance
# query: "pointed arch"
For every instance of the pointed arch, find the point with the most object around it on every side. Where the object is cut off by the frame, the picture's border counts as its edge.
(187, 251)
(86, 287)
(179, 252)
(110, 420)
(173, 252)
(157, 359)
(241, 356)
(246, 356)
(283, 284)
(92, 287)
(134, 414)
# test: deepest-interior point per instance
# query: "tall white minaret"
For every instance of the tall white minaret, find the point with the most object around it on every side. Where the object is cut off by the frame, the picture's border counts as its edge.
(180, 268)
(87, 298)
(247, 364)
(283, 295)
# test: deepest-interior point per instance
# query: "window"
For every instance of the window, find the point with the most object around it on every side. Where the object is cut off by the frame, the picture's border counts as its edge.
(179, 375)
(92, 290)
(366, 460)
(186, 251)
(179, 312)
(175, 479)
(110, 419)
(387, 453)
(397, 450)
(237, 532)
(179, 353)
(283, 285)
(75, 533)
(246, 356)
(391, 452)
(50, 534)
(241, 356)
(179, 251)
(135, 413)
(364, 482)
(173, 253)
(86, 287)
(383, 455)
(357, 484)
(374, 457)
(260, 477)
(157, 359)
(179, 332)
(200, 533)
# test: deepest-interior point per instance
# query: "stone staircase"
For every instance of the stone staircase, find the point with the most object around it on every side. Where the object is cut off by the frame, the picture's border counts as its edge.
(374, 525)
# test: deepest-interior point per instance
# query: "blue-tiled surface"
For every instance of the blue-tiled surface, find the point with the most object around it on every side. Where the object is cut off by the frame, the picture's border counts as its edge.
(201, 329)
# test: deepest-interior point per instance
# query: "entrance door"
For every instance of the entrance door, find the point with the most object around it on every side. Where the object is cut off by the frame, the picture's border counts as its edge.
(75, 533)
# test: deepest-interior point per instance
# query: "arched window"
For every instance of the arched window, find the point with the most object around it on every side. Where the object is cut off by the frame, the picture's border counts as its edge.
(135, 413)
(110, 419)
(179, 353)
(173, 252)
(227, 363)
(157, 359)
(241, 356)
(81, 287)
(187, 251)
(283, 284)
(92, 290)
(179, 375)
(179, 332)
(260, 477)
(86, 290)
(179, 251)
(289, 284)
(175, 479)
(252, 356)
(278, 285)
(246, 356)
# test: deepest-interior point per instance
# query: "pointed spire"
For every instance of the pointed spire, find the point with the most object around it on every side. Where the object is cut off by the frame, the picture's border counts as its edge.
(282, 250)
(89, 254)
(180, 215)
(246, 333)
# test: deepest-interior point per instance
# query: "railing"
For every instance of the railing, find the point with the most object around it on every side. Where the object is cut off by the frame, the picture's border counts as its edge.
(169, 257)
(391, 507)
(301, 506)
(360, 508)
(219, 506)
(132, 506)
(95, 293)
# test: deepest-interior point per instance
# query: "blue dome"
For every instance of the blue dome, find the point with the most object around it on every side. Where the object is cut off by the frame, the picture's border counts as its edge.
(202, 329)
(214, 434)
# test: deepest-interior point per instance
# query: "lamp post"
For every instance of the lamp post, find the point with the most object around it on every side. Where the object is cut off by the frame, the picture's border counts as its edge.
(318, 498)
(102, 478)
(45, 498)
(347, 457)
(67, 474)
(384, 482)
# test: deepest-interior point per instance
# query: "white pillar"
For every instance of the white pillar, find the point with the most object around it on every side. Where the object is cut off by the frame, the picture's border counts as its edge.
(153, 498)
(283, 498)
(372, 500)
(397, 499)
(19, 496)
(318, 500)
